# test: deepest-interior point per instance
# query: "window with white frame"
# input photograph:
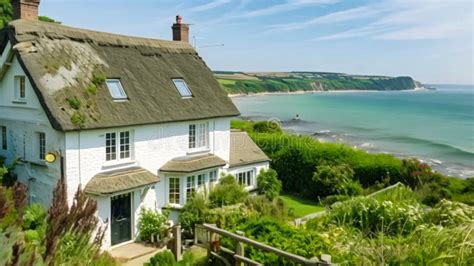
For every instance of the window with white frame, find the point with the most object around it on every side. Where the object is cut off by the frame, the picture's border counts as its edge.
(116, 89)
(123, 145)
(20, 88)
(198, 135)
(3, 137)
(245, 178)
(174, 190)
(213, 176)
(201, 179)
(41, 145)
(190, 186)
(182, 88)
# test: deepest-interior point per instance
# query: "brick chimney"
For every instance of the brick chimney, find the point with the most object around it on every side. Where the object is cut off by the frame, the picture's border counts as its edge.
(25, 9)
(180, 30)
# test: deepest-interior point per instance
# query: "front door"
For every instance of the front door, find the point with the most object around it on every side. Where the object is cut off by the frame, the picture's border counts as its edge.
(121, 218)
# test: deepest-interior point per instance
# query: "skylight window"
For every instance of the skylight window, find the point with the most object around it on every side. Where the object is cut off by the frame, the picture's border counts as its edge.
(182, 88)
(116, 89)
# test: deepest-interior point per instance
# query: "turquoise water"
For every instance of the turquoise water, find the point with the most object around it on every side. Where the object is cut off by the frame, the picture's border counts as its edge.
(434, 126)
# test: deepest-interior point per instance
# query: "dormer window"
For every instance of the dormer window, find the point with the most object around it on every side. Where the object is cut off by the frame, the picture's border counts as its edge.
(20, 88)
(116, 89)
(182, 88)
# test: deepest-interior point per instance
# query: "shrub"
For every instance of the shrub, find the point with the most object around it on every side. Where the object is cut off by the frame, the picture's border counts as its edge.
(264, 207)
(330, 200)
(335, 180)
(448, 213)
(165, 258)
(152, 223)
(267, 127)
(194, 212)
(268, 184)
(372, 216)
(227, 192)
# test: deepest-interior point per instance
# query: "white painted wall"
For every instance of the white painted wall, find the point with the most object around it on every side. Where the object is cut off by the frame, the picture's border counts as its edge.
(152, 147)
(23, 121)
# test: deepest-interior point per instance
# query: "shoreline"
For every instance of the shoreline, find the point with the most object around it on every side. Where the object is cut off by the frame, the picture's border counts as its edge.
(268, 93)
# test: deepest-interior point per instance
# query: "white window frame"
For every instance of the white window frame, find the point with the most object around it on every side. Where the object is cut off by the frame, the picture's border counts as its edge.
(177, 193)
(213, 177)
(249, 181)
(200, 185)
(20, 88)
(116, 148)
(187, 93)
(190, 186)
(123, 95)
(3, 138)
(198, 136)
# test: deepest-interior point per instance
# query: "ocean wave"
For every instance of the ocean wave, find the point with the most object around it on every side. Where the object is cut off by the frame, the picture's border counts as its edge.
(447, 149)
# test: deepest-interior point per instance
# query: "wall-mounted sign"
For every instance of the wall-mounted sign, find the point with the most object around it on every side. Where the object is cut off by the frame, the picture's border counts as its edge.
(50, 157)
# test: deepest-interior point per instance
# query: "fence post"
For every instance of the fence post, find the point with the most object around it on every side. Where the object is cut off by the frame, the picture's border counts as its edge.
(177, 242)
(239, 249)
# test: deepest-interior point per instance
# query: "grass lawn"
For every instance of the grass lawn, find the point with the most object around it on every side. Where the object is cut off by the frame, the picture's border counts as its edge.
(301, 207)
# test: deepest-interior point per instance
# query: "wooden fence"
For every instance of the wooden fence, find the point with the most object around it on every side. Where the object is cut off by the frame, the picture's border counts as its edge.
(209, 235)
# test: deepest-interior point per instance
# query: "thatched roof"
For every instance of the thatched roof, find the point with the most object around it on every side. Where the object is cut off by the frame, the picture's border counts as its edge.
(189, 164)
(61, 62)
(120, 180)
(244, 151)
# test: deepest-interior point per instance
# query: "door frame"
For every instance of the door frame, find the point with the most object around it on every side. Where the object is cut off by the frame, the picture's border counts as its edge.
(132, 218)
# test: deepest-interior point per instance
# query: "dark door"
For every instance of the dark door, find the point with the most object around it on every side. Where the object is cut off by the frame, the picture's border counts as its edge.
(121, 218)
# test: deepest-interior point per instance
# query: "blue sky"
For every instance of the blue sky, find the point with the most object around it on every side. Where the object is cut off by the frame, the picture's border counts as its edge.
(429, 40)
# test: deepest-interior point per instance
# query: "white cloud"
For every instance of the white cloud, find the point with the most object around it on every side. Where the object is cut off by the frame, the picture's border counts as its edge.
(335, 17)
(289, 5)
(414, 20)
(211, 5)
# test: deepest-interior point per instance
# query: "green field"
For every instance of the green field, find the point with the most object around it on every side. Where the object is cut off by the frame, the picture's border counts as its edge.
(248, 83)
(300, 206)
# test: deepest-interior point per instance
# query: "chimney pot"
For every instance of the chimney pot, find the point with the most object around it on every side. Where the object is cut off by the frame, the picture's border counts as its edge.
(180, 30)
(25, 9)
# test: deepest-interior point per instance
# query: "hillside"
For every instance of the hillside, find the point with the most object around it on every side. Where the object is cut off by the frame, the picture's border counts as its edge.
(257, 82)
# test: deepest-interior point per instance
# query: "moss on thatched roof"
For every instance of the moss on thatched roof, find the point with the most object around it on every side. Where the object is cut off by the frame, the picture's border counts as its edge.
(66, 63)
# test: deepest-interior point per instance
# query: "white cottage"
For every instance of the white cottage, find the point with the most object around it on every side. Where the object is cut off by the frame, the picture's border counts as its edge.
(136, 122)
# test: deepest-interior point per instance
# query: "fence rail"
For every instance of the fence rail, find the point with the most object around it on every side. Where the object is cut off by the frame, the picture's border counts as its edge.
(238, 255)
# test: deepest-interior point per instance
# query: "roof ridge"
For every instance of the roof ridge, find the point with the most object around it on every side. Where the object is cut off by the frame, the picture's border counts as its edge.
(54, 30)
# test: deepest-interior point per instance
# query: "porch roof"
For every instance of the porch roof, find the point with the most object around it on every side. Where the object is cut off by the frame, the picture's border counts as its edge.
(244, 151)
(189, 164)
(120, 180)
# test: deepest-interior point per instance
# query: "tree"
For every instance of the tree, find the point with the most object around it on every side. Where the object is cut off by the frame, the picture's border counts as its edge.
(268, 184)
(6, 14)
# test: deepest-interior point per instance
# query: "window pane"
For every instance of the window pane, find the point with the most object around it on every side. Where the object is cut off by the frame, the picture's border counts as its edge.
(42, 145)
(110, 147)
(4, 137)
(182, 88)
(174, 190)
(116, 89)
(192, 136)
(124, 144)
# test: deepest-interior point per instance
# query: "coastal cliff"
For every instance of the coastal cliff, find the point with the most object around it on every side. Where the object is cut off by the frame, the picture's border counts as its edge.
(261, 82)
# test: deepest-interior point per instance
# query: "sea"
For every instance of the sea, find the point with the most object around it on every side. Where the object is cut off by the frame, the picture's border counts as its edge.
(435, 126)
